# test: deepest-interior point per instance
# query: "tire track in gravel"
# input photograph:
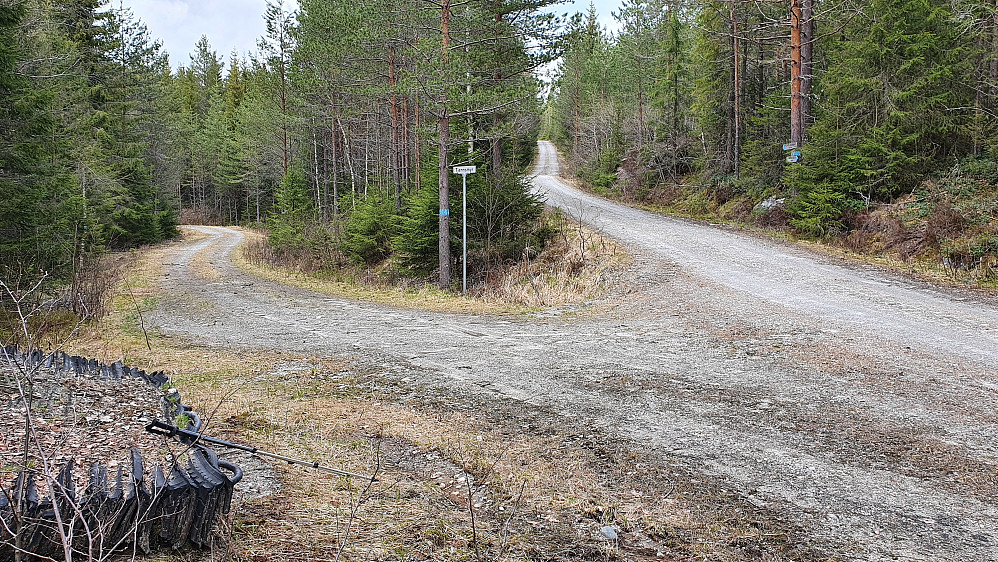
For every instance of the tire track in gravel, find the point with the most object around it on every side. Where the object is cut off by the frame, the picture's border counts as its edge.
(858, 405)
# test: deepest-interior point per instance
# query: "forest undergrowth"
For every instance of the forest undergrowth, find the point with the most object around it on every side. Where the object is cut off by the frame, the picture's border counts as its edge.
(944, 231)
(577, 265)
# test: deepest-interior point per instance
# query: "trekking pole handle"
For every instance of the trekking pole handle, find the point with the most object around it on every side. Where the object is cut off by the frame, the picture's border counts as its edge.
(162, 428)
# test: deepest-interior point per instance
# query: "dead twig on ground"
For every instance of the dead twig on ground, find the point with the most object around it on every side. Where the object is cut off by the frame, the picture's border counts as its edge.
(361, 498)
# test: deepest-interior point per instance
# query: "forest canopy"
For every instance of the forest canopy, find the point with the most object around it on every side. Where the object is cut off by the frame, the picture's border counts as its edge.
(338, 135)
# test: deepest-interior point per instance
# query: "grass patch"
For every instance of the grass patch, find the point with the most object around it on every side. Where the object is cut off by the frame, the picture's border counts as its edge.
(356, 284)
(579, 266)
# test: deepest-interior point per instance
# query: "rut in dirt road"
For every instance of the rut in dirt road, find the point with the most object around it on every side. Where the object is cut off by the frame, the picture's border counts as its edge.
(859, 406)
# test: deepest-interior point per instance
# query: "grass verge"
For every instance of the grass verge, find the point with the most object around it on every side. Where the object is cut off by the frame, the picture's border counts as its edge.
(579, 266)
(857, 245)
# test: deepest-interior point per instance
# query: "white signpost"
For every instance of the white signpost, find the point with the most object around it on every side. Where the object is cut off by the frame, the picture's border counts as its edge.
(464, 171)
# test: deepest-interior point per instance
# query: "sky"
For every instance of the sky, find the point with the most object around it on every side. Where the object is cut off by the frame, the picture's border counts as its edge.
(237, 24)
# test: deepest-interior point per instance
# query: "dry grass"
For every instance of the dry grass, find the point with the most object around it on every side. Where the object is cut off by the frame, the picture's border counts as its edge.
(360, 285)
(580, 266)
(925, 269)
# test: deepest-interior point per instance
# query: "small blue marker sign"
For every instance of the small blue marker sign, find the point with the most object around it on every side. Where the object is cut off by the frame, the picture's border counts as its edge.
(444, 212)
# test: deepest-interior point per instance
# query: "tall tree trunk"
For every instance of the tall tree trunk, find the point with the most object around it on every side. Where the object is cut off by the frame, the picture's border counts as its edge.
(737, 87)
(671, 64)
(576, 117)
(496, 118)
(444, 142)
(993, 74)
(367, 151)
(406, 148)
(325, 182)
(806, 65)
(641, 114)
(315, 170)
(395, 152)
(348, 161)
(417, 145)
(284, 115)
(796, 111)
(496, 147)
(336, 164)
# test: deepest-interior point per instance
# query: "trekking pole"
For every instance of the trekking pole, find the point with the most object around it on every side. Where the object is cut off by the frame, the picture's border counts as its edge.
(162, 428)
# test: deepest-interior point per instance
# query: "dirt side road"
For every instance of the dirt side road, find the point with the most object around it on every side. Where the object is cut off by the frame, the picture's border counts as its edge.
(859, 407)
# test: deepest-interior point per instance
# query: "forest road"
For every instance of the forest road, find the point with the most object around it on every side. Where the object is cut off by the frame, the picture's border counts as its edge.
(858, 406)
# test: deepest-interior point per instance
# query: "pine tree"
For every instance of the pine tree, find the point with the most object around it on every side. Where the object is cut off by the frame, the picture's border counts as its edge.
(36, 210)
(136, 213)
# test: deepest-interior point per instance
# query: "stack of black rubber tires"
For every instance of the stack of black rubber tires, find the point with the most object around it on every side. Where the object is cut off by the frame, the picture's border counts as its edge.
(131, 509)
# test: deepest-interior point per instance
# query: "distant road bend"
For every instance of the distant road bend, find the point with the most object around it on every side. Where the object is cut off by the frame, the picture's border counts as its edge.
(860, 406)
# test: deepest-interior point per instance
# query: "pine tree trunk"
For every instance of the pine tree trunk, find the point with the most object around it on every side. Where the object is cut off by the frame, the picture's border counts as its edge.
(496, 148)
(284, 115)
(576, 102)
(406, 147)
(806, 65)
(325, 182)
(641, 115)
(993, 71)
(336, 166)
(735, 148)
(496, 118)
(395, 156)
(444, 141)
(417, 146)
(796, 119)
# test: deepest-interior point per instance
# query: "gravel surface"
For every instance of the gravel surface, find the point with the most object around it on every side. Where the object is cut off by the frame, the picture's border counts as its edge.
(856, 406)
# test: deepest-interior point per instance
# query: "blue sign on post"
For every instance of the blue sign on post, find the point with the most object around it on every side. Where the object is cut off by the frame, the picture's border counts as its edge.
(444, 212)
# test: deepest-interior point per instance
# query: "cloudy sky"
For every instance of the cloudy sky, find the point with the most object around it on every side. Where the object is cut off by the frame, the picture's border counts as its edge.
(236, 24)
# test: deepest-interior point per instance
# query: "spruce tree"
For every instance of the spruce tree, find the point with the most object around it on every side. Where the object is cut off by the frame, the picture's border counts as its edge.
(37, 208)
(894, 109)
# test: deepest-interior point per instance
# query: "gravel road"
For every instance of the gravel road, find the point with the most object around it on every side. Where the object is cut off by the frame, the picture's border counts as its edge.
(858, 405)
